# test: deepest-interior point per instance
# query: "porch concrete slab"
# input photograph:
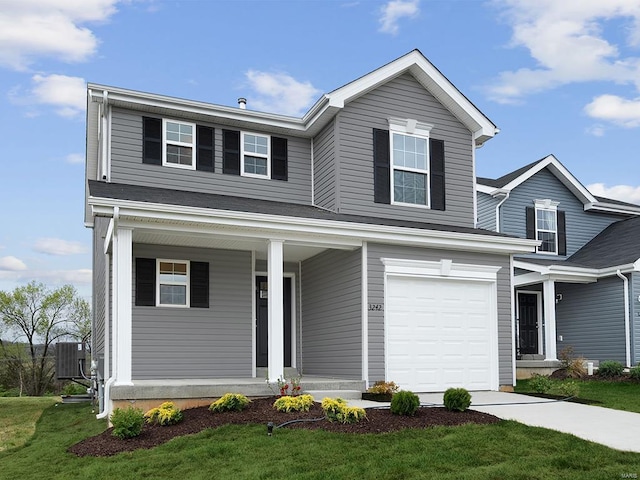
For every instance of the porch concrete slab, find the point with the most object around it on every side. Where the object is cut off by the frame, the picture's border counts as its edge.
(612, 428)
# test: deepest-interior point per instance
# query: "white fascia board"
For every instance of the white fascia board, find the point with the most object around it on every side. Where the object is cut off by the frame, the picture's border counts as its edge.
(485, 189)
(612, 208)
(299, 225)
(574, 274)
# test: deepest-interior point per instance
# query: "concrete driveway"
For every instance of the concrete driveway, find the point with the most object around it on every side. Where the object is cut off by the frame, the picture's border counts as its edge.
(613, 428)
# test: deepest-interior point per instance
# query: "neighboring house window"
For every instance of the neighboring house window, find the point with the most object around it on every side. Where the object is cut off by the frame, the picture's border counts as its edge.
(547, 224)
(171, 283)
(177, 144)
(254, 155)
(408, 165)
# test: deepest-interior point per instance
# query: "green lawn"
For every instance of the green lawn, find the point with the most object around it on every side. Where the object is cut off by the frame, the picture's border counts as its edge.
(507, 450)
(618, 395)
(18, 417)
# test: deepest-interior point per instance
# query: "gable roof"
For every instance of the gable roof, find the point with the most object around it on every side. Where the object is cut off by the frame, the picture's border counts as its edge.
(320, 113)
(511, 180)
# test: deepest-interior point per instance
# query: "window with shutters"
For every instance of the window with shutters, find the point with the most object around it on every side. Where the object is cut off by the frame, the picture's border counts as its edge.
(172, 283)
(409, 147)
(546, 221)
(179, 144)
(255, 155)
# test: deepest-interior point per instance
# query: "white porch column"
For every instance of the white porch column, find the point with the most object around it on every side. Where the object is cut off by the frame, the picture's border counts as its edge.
(548, 287)
(275, 271)
(122, 293)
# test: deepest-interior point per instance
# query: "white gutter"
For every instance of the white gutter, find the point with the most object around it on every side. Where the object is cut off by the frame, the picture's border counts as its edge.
(508, 192)
(627, 330)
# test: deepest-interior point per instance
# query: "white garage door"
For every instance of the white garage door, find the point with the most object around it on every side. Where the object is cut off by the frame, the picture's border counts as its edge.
(439, 334)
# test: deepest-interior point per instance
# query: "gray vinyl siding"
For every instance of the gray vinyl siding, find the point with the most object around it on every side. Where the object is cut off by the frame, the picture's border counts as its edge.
(100, 226)
(127, 167)
(402, 97)
(174, 343)
(332, 314)
(581, 226)
(375, 270)
(635, 317)
(487, 211)
(590, 318)
(324, 168)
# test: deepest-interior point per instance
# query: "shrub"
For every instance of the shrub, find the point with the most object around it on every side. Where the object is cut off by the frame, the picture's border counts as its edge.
(634, 372)
(384, 388)
(540, 383)
(337, 410)
(127, 422)
(300, 403)
(610, 368)
(457, 399)
(573, 367)
(568, 389)
(405, 402)
(166, 414)
(74, 389)
(230, 402)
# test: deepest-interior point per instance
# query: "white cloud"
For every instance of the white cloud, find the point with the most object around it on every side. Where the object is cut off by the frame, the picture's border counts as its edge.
(393, 11)
(49, 277)
(566, 40)
(624, 193)
(75, 158)
(30, 29)
(596, 130)
(59, 247)
(67, 95)
(280, 93)
(11, 264)
(615, 109)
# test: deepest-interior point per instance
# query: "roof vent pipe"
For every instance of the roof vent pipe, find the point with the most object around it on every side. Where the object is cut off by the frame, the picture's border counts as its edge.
(242, 103)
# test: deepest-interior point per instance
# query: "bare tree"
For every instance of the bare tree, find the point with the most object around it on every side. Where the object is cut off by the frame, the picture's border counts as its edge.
(37, 317)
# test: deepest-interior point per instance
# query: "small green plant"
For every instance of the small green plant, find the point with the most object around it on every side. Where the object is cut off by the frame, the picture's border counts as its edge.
(72, 388)
(540, 383)
(230, 402)
(568, 388)
(610, 368)
(337, 410)
(573, 366)
(634, 372)
(457, 399)
(127, 422)
(405, 402)
(290, 387)
(300, 403)
(166, 414)
(383, 388)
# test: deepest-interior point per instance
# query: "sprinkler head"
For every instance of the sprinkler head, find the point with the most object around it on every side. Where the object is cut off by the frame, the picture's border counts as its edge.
(269, 428)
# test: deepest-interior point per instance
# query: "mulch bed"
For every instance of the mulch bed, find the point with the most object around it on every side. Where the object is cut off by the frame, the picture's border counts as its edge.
(261, 411)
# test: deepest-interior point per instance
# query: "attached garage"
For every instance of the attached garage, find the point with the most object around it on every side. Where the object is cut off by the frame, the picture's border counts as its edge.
(440, 325)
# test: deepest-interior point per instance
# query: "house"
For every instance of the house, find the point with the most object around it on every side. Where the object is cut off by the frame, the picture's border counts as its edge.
(581, 288)
(231, 244)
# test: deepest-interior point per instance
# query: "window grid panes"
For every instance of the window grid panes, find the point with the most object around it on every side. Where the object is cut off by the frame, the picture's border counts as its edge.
(547, 230)
(255, 154)
(179, 144)
(172, 283)
(410, 169)
(255, 165)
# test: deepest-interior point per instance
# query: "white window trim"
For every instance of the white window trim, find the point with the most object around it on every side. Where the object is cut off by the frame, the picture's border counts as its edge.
(410, 127)
(166, 142)
(251, 154)
(188, 284)
(546, 205)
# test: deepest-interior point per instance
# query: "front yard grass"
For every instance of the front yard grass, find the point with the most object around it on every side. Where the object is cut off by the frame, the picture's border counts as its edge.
(617, 395)
(507, 450)
(18, 417)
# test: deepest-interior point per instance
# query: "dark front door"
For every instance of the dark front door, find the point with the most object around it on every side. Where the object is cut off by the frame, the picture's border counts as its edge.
(262, 322)
(528, 322)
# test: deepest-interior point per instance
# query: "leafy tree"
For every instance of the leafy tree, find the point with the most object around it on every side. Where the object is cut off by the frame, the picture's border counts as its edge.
(38, 317)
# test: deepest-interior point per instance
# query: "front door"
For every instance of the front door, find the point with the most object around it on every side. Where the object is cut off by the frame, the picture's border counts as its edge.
(528, 322)
(262, 322)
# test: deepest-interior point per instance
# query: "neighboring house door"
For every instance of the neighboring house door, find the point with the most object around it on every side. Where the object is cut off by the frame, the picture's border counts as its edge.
(528, 322)
(262, 322)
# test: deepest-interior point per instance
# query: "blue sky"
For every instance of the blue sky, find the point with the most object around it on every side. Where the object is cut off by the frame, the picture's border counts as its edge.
(556, 77)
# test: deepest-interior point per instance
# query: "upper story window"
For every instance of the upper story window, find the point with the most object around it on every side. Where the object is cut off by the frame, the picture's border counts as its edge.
(255, 161)
(547, 224)
(179, 143)
(173, 283)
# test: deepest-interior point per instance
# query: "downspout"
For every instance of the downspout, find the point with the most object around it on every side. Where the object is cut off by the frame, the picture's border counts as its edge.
(105, 137)
(627, 330)
(313, 177)
(498, 210)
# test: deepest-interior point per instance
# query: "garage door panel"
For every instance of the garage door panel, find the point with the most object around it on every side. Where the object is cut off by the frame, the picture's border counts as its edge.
(443, 329)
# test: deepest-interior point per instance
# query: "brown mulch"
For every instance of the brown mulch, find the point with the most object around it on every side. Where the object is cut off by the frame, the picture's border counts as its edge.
(561, 374)
(261, 411)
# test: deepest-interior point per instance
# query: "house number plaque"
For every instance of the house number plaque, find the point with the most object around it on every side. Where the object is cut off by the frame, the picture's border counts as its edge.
(376, 307)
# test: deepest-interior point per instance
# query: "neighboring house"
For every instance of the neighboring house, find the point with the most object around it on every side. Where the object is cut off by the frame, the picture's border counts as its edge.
(582, 286)
(230, 244)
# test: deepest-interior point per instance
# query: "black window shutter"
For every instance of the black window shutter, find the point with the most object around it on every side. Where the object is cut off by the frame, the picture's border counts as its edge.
(531, 222)
(152, 140)
(204, 148)
(146, 282)
(562, 233)
(436, 171)
(231, 152)
(381, 166)
(279, 168)
(199, 284)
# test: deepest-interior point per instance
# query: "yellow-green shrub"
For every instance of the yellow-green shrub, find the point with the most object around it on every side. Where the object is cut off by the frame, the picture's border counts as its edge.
(337, 410)
(382, 387)
(300, 403)
(230, 402)
(166, 414)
